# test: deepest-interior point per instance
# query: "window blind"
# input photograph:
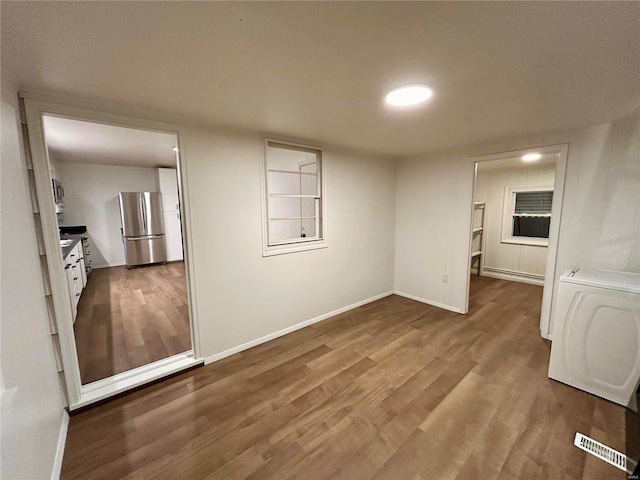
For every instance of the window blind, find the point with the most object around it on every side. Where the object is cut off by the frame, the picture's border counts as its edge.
(533, 202)
(531, 227)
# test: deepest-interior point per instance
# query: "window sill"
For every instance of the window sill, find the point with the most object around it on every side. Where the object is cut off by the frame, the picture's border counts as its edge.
(543, 242)
(293, 248)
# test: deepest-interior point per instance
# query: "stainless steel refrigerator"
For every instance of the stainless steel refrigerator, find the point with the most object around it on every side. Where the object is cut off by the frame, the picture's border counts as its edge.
(142, 228)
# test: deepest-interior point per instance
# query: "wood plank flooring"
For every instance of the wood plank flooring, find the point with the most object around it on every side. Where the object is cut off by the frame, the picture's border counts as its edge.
(395, 389)
(131, 317)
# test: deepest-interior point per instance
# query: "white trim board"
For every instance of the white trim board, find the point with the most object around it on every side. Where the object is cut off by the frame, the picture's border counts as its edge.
(62, 441)
(428, 302)
(293, 328)
(122, 382)
(107, 265)
(513, 276)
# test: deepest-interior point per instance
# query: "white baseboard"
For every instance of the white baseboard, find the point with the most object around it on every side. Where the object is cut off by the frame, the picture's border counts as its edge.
(293, 328)
(62, 441)
(428, 302)
(108, 265)
(513, 276)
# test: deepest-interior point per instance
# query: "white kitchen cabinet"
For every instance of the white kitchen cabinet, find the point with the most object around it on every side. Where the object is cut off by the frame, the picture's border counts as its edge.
(72, 286)
(73, 278)
(76, 276)
(83, 269)
(173, 236)
(168, 183)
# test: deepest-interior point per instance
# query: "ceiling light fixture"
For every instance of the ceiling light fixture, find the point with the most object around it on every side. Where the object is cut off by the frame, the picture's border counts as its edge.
(406, 95)
(531, 157)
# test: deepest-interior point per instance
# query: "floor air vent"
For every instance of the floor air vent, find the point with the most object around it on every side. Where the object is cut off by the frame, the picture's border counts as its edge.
(605, 453)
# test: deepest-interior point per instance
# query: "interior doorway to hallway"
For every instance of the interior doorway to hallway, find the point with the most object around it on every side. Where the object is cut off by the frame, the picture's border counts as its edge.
(517, 199)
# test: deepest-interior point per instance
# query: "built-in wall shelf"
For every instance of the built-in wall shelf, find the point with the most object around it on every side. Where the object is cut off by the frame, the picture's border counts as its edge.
(288, 195)
(477, 237)
(272, 170)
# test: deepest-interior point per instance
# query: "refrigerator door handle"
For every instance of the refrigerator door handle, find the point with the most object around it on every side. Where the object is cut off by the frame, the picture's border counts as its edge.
(143, 204)
(145, 237)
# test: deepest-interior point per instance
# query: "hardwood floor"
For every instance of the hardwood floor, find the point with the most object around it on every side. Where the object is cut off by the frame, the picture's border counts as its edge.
(131, 317)
(395, 389)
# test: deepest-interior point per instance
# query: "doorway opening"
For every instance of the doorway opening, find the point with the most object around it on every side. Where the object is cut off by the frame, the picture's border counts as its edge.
(517, 200)
(119, 274)
(118, 210)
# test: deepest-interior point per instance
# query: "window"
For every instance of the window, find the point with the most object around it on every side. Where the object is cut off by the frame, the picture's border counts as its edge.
(293, 203)
(527, 215)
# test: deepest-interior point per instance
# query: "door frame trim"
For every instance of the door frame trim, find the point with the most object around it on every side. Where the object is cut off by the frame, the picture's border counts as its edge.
(36, 105)
(548, 297)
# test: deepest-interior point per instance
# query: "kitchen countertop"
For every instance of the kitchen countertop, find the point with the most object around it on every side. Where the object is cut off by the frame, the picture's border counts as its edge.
(74, 241)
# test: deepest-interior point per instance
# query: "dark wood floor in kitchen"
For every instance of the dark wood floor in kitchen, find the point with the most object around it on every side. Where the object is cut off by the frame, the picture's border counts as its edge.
(131, 317)
(395, 389)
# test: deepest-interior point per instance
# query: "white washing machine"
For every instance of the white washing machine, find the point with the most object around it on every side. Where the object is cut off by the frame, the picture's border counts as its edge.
(596, 335)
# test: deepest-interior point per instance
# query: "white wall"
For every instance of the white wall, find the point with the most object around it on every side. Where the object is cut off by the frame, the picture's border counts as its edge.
(600, 214)
(429, 230)
(242, 295)
(91, 199)
(601, 210)
(490, 186)
(32, 421)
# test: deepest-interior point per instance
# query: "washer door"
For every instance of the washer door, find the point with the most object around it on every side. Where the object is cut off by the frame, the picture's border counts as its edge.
(596, 342)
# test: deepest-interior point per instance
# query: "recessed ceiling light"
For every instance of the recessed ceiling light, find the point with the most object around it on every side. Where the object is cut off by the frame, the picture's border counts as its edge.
(531, 157)
(406, 95)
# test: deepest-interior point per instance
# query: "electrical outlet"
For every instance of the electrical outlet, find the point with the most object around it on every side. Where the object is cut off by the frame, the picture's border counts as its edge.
(445, 278)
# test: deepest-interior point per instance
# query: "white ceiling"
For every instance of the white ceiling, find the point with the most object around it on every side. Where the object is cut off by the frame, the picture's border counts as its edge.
(86, 142)
(319, 70)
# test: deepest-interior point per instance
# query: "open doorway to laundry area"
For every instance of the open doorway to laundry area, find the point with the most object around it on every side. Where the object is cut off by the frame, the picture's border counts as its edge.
(517, 199)
(117, 197)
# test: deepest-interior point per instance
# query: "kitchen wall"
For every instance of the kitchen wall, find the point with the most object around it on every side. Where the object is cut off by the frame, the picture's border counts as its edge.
(508, 260)
(33, 416)
(91, 199)
(600, 215)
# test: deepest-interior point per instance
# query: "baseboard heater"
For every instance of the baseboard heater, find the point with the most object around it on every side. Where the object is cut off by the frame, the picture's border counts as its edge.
(513, 273)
